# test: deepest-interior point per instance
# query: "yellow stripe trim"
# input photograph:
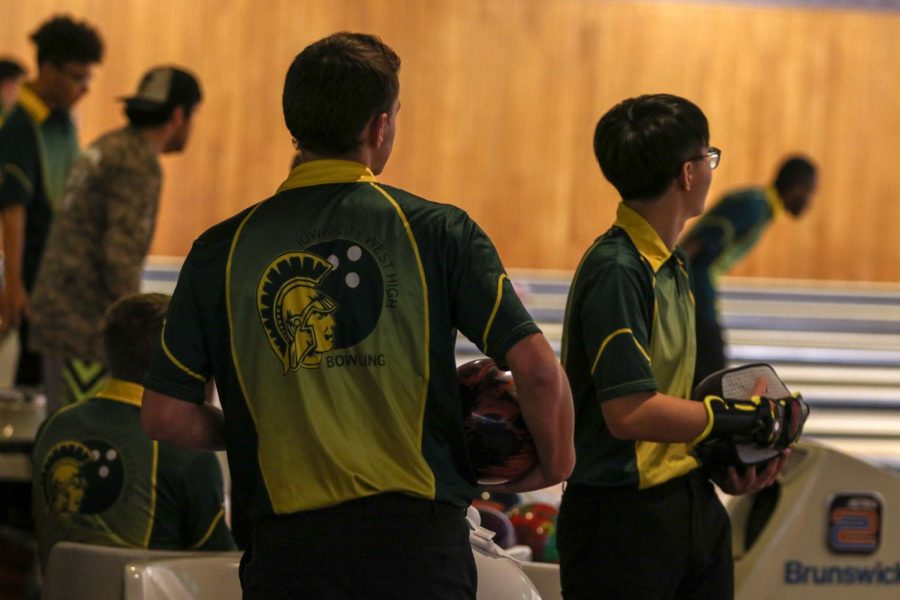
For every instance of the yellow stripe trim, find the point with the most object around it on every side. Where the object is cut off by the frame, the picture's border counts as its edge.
(487, 328)
(427, 332)
(714, 221)
(320, 172)
(610, 337)
(152, 494)
(710, 420)
(776, 202)
(175, 361)
(119, 390)
(20, 176)
(234, 356)
(33, 104)
(212, 527)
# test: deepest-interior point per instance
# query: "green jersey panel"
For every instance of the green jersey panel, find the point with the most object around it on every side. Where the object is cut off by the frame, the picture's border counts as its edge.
(328, 317)
(343, 316)
(628, 328)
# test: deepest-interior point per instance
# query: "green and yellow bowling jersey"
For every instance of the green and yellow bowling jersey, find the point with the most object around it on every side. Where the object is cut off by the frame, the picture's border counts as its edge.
(328, 315)
(37, 147)
(727, 232)
(629, 327)
(99, 479)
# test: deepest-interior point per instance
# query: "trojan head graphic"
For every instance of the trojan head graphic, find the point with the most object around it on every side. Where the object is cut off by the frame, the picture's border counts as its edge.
(82, 477)
(64, 480)
(298, 317)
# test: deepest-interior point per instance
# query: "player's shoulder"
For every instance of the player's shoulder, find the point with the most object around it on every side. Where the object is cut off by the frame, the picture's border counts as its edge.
(18, 128)
(745, 197)
(222, 233)
(430, 214)
(415, 203)
(612, 253)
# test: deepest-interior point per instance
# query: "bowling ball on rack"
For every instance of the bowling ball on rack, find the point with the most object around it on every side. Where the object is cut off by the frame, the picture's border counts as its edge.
(500, 446)
(535, 525)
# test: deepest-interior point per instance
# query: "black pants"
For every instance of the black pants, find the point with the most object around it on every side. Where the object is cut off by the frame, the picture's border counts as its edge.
(672, 541)
(28, 369)
(710, 350)
(389, 546)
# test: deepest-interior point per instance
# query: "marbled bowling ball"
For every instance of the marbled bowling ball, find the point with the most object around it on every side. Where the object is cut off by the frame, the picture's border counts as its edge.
(500, 447)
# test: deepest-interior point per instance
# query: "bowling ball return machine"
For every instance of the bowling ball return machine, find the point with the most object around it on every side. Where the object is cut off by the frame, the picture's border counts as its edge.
(829, 528)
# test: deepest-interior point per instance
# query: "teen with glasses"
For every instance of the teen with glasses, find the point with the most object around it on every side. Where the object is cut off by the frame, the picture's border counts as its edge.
(638, 518)
(38, 144)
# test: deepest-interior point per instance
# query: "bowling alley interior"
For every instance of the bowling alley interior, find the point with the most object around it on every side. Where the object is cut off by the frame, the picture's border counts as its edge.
(499, 101)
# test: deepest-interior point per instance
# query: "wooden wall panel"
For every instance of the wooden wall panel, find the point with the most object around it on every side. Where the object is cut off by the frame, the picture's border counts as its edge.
(500, 98)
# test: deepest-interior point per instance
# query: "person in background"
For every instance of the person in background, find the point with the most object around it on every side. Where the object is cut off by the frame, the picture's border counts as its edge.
(327, 317)
(99, 479)
(102, 230)
(727, 232)
(12, 74)
(38, 144)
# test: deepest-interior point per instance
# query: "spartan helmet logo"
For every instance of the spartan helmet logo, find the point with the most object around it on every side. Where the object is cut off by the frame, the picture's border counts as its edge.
(84, 477)
(298, 318)
(64, 481)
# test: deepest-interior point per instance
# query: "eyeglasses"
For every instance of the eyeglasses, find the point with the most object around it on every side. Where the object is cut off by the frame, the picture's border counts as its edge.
(712, 156)
(76, 75)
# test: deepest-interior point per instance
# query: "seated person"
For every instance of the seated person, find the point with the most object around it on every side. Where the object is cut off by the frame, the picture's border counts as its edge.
(99, 479)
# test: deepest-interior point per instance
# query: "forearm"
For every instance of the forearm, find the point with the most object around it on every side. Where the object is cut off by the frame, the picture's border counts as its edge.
(13, 242)
(546, 404)
(654, 417)
(168, 419)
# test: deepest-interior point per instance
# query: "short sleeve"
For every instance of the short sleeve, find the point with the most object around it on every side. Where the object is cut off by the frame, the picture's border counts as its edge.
(727, 222)
(19, 163)
(180, 367)
(615, 317)
(486, 307)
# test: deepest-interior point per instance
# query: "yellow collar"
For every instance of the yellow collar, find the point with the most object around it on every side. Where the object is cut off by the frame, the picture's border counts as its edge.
(319, 172)
(33, 104)
(119, 390)
(776, 203)
(643, 236)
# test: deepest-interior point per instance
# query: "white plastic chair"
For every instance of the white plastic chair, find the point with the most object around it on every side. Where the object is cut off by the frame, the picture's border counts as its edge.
(545, 577)
(89, 572)
(195, 578)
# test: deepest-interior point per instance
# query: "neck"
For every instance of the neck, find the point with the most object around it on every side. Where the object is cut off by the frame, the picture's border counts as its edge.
(361, 155)
(39, 87)
(157, 137)
(665, 214)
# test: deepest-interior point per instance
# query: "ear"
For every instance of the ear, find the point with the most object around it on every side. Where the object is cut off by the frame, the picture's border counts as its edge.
(686, 176)
(375, 130)
(178, 119)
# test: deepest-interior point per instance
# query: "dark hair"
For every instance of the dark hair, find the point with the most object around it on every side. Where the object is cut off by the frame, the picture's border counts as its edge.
(334, 87)
(131, 332)
(183, 90)
(62, 40)
(642, 142)
(10, 69)
(795, 170)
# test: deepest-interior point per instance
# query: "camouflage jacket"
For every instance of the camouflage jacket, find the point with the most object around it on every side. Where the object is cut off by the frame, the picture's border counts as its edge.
(99, 239)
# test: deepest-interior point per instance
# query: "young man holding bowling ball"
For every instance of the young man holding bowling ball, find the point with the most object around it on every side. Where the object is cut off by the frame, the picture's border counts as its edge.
(327, 316)
(638, 518)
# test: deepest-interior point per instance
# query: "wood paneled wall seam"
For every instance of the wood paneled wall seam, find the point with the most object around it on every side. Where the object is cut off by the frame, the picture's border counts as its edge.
(499, 102)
